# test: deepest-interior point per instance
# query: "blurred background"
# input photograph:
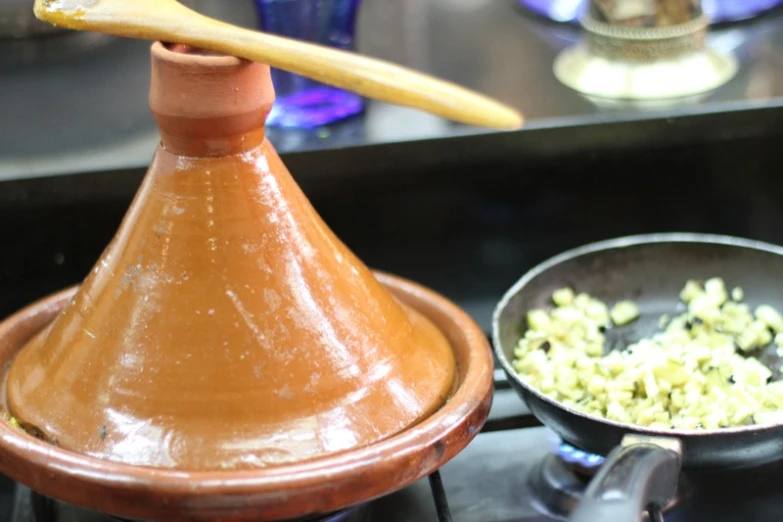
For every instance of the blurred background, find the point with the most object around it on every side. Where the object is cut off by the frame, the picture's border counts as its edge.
(462, 209)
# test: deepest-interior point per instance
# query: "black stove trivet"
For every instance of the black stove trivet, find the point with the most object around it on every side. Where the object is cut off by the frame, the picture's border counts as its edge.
(439, 496)
(33, 507)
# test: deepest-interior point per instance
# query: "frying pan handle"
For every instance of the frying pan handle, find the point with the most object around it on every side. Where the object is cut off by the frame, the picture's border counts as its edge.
(643, 471)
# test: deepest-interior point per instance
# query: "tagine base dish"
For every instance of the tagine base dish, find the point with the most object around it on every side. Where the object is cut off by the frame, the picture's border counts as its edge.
(309, 488)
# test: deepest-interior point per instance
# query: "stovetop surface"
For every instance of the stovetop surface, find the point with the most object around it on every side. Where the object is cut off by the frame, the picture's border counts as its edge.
(492, 481)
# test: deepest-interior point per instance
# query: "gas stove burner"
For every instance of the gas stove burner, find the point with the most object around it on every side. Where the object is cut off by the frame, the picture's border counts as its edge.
(45, 509)
(579, 461)
(559, 480)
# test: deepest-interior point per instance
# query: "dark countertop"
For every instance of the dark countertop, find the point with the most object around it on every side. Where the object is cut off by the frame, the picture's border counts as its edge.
(86, 111)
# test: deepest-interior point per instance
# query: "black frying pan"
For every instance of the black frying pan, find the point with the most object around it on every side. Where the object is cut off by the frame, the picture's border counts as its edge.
(643, 465)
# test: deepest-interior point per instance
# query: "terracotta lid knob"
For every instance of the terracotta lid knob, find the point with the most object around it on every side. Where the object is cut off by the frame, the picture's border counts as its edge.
(207, 104)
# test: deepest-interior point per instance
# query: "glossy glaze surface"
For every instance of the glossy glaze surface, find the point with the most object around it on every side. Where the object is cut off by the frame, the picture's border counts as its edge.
(225, 326)
(320, 485)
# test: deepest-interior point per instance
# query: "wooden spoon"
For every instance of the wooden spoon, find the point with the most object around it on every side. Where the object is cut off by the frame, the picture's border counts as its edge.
(170, 21)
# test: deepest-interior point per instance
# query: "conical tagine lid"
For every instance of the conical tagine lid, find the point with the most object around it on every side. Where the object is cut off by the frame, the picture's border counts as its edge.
(225, 326)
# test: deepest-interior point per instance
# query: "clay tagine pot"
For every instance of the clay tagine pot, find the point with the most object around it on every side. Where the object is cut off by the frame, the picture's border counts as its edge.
(228, 357)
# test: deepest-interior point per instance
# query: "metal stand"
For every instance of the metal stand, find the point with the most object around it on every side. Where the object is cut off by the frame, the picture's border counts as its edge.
(44, 509)
(439, 496)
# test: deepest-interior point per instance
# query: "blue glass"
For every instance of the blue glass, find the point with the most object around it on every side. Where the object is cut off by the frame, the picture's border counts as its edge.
(300, 102)
(717, 10)
(733, 10)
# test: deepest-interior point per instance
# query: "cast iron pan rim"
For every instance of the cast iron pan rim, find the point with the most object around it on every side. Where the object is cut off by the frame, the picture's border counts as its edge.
(616, 244)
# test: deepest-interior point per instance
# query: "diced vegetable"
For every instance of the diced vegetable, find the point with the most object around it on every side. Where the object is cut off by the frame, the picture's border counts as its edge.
(689, 375)
(624, 312)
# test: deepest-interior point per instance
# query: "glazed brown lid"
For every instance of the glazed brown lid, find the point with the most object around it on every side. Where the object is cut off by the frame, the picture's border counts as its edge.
(226, 326)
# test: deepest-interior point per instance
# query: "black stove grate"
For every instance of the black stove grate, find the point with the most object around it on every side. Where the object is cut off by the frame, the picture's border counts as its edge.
(439, 496)
(44, 509)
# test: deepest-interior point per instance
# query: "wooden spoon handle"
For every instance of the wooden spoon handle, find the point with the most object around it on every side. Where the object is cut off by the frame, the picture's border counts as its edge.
(369, 77)
(170, 21)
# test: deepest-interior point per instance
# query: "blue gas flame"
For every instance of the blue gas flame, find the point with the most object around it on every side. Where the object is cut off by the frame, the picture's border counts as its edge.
(572, 455)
